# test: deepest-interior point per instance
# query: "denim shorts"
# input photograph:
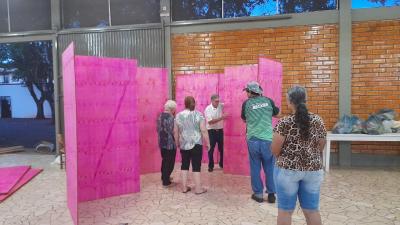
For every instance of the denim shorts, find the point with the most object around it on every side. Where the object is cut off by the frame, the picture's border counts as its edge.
(291, 184)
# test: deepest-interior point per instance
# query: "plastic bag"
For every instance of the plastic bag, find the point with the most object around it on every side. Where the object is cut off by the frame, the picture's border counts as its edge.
(57, 161)
(374, 125)
(387, 125)
(386, 114)
(343, 126)
(357, 125)
(348, 125)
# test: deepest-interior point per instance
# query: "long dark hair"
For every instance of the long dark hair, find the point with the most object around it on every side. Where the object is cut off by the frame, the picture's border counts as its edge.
(297, 96)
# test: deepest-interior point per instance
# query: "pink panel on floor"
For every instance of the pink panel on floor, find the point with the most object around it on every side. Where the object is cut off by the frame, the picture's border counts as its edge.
(68, 66)
(30, 173)
(234, 80)
(10, 176)
(107, 128)
(152, 94)
(201, 87)
(270, 78)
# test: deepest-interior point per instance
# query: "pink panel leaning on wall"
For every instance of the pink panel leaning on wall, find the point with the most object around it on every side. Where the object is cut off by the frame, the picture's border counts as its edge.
(270, 78)
(235, 78)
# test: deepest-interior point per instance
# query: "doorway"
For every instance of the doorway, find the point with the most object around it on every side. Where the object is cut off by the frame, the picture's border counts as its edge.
(5, 107)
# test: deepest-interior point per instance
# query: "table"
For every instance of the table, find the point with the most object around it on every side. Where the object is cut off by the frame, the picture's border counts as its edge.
(354, 137)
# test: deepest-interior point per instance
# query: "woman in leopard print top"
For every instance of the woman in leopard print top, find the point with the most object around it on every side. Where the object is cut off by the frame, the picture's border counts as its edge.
(298, 142)
(297, 153)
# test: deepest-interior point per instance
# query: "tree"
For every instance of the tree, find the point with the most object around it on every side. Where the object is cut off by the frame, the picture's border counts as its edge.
(196, 9)
(297, 6)
(31, 62)
(241, 8)
(385, 2)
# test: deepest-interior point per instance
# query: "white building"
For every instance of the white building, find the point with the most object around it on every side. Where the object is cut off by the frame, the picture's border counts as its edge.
(16, 101)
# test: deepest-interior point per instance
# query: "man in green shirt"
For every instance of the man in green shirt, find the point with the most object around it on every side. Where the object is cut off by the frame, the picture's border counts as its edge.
(257, 112)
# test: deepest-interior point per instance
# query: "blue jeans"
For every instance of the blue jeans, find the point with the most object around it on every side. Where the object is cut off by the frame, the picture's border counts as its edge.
(260, 154)
(291, 184)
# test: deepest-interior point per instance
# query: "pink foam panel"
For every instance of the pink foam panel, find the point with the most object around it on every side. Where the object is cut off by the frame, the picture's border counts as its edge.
(201, 87)
(152, 93)
(26, 177)
(234, 80)
(10, 177)
(68, 67)
(270, 78)
(107, 128)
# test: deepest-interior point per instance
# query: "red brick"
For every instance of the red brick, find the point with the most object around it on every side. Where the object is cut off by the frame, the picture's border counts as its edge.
(375, 78)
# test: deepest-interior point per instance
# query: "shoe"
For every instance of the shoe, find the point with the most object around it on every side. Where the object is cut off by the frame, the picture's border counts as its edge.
(210, 170)
(271, 198)
(257, 199)
(171, 184)
(221, 166)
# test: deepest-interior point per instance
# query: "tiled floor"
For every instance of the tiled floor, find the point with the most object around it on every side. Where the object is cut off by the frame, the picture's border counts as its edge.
(349, 196)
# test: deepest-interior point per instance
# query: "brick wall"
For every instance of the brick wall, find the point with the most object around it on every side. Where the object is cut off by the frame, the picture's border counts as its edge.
(309, 55)
(376, 75)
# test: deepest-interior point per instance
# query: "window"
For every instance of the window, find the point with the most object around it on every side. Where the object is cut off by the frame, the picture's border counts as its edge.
(3, 16)
(85, 13)
(30, 15)
(90, 13)
(299, 6)
(135, 12)
(196, 9)
(233, 8)
(6, 79)
(356, 4)
(200, 9)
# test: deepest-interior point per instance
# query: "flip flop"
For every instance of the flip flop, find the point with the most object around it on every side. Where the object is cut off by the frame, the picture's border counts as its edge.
(202, 192)
(187, 190)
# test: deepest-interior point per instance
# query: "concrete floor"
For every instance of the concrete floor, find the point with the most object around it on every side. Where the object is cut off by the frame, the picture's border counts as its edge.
(348, 196)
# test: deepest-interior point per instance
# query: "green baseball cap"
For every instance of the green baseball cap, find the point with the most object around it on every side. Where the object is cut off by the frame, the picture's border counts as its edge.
(254, 87)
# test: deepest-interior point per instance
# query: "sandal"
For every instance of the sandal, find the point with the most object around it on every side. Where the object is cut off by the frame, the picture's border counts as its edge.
(202, 192)
(187, 190)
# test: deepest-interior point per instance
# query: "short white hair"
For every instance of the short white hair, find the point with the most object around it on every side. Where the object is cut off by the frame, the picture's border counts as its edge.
(170, 105)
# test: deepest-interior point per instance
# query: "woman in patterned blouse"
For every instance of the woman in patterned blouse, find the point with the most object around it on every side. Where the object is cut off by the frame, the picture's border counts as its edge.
(298, 142)
(189, 130)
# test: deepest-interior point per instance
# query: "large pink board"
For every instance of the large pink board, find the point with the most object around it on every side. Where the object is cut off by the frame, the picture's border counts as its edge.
(10, 177)
(101, 130)
(235, 78)
(68, 65)
(152, 94)
(270, 78)
(201, 87)
(107, 128)
(26, 177)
